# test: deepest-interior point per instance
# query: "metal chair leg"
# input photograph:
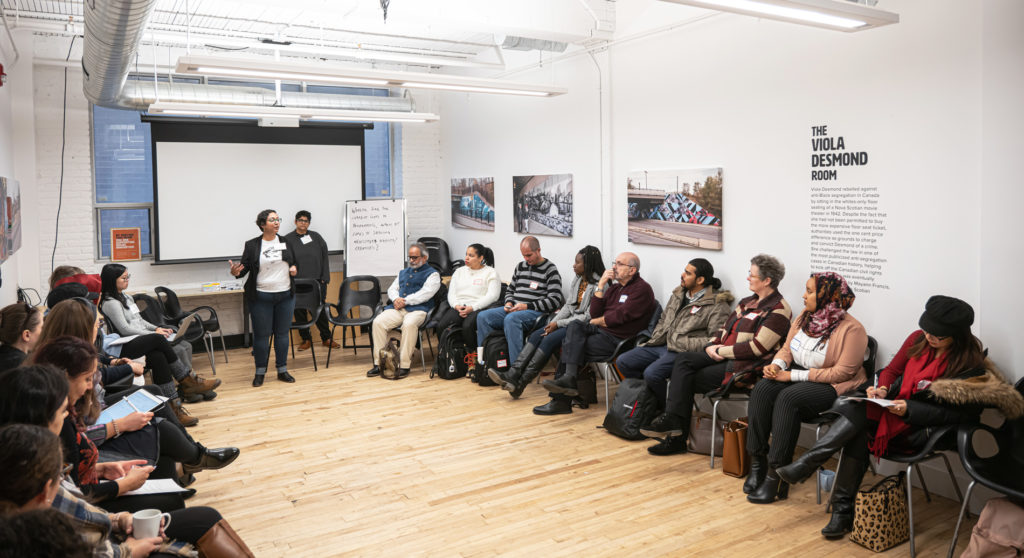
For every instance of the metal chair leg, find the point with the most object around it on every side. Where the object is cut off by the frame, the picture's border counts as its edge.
(924, 485)
(603, 367)
(208, 345)
(910, 508)
(817, 436)
(312, 351)
(952, 478)
(291, 343)
(423, 361)
(714, 428)
(223, 346)
(960, 519)
(331, 346)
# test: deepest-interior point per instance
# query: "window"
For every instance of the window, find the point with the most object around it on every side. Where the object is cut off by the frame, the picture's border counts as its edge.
(123, 162)
(122, 176)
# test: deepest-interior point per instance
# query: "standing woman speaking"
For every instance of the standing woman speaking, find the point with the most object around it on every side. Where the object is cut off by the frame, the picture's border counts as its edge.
(270, 294)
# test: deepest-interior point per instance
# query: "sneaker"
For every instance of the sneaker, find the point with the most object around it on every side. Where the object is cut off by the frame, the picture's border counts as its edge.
(671, 445)
(664, 425)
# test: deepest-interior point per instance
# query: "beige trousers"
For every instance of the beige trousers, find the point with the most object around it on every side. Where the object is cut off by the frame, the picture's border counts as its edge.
(390, 319)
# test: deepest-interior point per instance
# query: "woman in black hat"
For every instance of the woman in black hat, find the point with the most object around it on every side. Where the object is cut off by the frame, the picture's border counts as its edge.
(924, 386)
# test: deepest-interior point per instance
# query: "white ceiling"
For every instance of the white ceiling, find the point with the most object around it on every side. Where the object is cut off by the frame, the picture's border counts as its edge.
(424, 33)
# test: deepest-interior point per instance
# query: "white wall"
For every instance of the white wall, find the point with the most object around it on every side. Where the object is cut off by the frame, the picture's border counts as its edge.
(9, 270)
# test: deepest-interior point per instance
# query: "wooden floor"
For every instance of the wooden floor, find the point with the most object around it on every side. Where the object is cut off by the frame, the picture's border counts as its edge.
(339, 464)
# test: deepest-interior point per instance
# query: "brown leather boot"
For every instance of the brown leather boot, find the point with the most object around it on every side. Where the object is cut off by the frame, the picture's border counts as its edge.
(193, 384)
(221, 541)
(182, 413)
(306, 344)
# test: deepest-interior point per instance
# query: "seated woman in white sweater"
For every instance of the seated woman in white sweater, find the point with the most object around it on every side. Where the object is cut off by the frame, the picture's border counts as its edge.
(473, 287)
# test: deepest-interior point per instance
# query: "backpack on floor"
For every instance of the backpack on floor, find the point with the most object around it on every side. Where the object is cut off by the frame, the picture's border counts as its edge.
(452, 355)
(632, 407)
(495, 356)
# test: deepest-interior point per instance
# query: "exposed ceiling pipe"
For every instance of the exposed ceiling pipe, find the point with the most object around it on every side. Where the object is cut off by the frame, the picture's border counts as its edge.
(113, 30)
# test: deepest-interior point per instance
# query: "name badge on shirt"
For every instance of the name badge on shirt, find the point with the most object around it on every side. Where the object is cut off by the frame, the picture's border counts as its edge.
(280, 246)
(534, 285)
(478, 281)
(134, 308)
(622, 299)
(695, 309)
(794, 345)
(751, 316)
(307, 239)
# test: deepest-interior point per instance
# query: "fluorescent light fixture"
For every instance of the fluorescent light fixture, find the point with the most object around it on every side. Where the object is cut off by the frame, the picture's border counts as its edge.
(302, 113)
(322, 73)
(838, 15)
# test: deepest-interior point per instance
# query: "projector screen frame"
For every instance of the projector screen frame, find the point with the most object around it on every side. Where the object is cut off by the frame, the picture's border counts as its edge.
(235, 131)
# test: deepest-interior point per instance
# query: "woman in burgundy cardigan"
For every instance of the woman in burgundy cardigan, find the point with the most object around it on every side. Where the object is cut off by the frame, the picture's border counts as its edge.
(821, 359)
(940, 376)
(747, 342)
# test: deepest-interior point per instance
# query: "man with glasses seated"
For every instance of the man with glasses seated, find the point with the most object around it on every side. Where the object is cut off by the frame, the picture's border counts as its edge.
(617, 311)
(412, 296)
(312, 262)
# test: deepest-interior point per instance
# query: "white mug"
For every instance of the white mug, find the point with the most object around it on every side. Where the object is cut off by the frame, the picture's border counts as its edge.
(146, 523)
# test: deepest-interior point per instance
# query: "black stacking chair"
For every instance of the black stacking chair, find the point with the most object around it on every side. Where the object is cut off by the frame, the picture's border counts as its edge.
(172, 310)
(308, 298)
(359, 294)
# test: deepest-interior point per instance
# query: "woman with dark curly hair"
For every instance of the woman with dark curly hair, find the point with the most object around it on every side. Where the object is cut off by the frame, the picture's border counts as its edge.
(270, 294)
(821, 359)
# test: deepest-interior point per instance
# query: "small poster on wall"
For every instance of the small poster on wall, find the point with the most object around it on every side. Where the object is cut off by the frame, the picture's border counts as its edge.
(473, 203)
(675, 207)
(125, 244)
(10, 218)
(542, 204)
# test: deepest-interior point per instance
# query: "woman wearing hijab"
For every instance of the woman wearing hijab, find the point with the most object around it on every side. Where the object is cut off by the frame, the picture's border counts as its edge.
(940, 376)
(822, 359)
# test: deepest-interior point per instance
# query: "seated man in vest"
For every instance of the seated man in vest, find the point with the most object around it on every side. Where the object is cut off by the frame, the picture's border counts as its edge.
(412, 296)
(535, 289)
(617, 311)
(694, 314)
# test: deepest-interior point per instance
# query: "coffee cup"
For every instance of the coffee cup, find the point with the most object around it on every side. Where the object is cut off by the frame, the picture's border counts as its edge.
(146, 523)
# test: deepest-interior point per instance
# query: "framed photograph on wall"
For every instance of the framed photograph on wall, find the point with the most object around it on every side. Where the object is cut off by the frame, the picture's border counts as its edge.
(675, 207)
(542, 204)
(473, 203)
(125, 244)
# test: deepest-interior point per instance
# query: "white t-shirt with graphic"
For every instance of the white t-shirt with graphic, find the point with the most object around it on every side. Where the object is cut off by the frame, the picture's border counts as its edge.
(273, 275)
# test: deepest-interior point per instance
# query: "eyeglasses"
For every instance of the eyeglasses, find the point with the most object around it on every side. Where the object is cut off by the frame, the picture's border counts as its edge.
(273, 220)
(620, 264)
(300, 220)
(420, 257)
(126, 276)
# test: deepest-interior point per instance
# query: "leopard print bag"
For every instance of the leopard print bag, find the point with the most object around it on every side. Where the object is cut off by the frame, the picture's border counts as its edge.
(880, 515)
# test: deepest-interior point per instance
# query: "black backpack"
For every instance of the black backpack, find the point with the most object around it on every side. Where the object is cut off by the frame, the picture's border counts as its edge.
(453, 357)
(632, 407)
(495, 356)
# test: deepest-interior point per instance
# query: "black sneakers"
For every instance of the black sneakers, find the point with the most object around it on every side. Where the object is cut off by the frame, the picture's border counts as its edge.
(671, 445)
(664, 425)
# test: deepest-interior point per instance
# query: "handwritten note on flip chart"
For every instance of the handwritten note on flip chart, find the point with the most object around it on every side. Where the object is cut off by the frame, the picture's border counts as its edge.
(374, 237)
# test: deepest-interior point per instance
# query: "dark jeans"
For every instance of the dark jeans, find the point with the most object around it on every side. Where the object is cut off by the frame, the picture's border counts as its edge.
(777, 409)
(692, 373)
(584, 342)
(653, 364)
(467, 325)
(158, 352)
(321, 320)
(175, 442)
(271, 315)
(548, 344)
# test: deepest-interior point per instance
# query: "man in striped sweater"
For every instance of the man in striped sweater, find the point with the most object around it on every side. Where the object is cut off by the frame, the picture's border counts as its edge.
(535, 289)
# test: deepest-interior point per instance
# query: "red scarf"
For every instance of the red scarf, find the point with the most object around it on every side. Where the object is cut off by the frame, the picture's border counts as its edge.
(922, 367)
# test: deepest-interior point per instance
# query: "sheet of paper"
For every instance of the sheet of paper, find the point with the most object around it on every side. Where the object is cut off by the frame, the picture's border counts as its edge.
(122, 340)
(876, 401)
(157, 486)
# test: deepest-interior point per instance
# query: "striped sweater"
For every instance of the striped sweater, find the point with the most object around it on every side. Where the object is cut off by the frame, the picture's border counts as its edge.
(760, 332)
(538, 286)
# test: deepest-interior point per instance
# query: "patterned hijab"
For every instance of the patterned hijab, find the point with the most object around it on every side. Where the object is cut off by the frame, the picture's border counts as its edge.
(834, 298)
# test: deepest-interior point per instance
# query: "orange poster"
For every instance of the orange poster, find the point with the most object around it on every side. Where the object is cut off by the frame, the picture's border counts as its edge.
(125, 244)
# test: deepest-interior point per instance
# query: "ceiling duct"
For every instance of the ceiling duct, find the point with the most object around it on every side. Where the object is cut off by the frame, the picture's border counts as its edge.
(513, 42)
(113, 29)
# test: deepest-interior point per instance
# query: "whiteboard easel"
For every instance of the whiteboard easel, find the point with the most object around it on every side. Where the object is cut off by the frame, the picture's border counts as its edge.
(374, 237)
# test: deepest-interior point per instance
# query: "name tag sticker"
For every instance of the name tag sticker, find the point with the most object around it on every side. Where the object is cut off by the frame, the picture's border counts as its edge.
(622, 299)
(534, 285)
(751, 316)
(478, 281)
(307, 239)
(134, 308)
(502, 363)
(280, 246)
(695, 309)
(794, 345)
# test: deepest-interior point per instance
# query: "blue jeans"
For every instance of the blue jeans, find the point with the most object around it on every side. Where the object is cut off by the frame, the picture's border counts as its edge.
(653, 364)
(514, 324)
(271, 315)
(547, 344)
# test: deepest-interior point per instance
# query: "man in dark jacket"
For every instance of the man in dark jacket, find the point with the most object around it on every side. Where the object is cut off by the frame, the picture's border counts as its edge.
(311, 257)
(617, 311)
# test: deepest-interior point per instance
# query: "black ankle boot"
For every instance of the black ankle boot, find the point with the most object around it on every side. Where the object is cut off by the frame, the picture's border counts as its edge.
(758, 469)
(516, 386)
(841, 431)
(515, 370)
(838, 526)
(557, 406)
(566, 384)
(771, 489)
